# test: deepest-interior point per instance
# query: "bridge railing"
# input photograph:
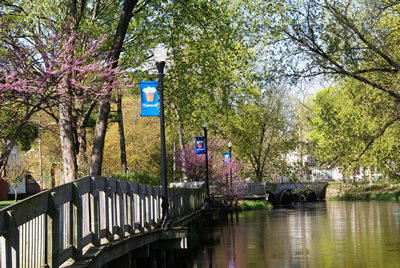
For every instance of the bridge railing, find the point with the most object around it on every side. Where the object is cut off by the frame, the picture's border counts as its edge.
(256, 188)
(47, 229)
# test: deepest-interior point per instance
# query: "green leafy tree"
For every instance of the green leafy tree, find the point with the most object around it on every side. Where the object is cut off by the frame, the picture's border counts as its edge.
(209, 65)
(266, 132)
(304, 114)
(340, 40)
(345, 129)
(16, 170)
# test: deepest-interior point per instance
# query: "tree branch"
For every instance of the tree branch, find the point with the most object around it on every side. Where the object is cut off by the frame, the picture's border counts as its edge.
(378, 135)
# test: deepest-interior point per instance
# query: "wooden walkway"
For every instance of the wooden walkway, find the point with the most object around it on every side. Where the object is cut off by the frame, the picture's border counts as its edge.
(73, 223)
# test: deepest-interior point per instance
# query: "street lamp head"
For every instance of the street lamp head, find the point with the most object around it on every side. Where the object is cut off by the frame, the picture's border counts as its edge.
(205, 123)
(160, 53)
(229, 144)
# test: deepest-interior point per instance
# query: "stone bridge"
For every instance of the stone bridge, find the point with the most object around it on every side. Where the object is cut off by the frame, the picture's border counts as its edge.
(284, 193)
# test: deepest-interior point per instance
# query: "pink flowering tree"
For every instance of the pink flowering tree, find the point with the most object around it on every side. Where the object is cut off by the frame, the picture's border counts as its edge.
(194, 167)
(47, 72)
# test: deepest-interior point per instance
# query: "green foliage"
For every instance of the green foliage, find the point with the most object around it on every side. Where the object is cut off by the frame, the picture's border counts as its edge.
(367, 196)
(358, 122)
(387, 196)
(221, 55)
(254, 205)
(378, 192)
(16, 170)
(209, 66)
(24, 139)
(139, 178)
(265, 130)
(348, 128)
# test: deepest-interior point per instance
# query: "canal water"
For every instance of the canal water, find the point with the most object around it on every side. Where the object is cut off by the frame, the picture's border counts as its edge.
(322, 234)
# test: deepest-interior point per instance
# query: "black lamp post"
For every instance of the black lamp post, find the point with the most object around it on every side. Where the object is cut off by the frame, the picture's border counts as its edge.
(230, 159)
(205, 124)
(160, 56)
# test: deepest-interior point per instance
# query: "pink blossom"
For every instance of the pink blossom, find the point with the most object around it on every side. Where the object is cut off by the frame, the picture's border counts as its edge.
(194, 167)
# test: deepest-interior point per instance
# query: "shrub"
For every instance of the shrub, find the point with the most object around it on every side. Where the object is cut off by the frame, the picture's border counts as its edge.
(254, 205)
(367, 197)
(143, 178)
(385, 197)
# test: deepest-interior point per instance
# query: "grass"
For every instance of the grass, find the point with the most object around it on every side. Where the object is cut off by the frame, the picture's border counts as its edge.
(254, 205)
(366, 192)
(335, 183)
(4, 204)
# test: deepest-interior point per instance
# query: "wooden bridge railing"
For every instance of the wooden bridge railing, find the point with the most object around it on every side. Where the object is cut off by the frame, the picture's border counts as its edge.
(49, 228)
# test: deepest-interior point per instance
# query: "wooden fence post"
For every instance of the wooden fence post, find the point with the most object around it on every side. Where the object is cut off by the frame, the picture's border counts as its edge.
(120, 194)
(141, 207)
(159, 209)
(94, 212)
(130, 212)
(76, 222)
(12, 241)
(53, 234)
(149, 194)
(135, 206)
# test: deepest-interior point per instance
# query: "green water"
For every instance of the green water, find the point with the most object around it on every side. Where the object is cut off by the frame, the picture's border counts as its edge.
(324, 234)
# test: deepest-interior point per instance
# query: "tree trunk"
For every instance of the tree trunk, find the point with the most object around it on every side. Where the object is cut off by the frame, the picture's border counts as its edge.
(258, 171)
(370, 175)
(67, 142)
(300, 155)
(81, 120)
(82, 158)
(82, 150)
(52, 176)
(96, 163)
(74, 12)
(121, 135)
(182, 145)
(104, 109)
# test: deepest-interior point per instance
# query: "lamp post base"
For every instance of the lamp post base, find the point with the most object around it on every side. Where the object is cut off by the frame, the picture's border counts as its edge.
(166, 221)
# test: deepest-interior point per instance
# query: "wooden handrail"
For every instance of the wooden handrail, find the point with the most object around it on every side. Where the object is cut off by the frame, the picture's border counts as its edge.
(53, 226)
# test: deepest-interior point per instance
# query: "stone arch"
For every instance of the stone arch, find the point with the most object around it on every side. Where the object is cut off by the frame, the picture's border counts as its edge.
(290, 196)
(273, 198)
(308, 195)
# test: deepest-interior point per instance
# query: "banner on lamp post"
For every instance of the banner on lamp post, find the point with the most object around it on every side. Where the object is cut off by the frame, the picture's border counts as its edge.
(149, 99)
(200, 145)
(227, 157)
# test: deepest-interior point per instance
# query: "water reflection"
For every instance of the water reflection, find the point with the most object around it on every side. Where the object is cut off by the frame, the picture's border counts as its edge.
(331, 234)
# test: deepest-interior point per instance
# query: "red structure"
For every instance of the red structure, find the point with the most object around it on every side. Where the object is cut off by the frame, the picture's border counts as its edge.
(3, 190)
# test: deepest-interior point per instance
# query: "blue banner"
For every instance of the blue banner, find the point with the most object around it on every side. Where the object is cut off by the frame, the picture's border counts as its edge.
(149, 99)
(227, 157)
(200, 145)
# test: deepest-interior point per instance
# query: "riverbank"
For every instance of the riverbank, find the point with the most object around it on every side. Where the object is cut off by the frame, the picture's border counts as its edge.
(343, 192)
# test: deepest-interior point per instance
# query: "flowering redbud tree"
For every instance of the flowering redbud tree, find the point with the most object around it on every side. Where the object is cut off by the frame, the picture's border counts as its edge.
(194, 167)
(54, 70)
